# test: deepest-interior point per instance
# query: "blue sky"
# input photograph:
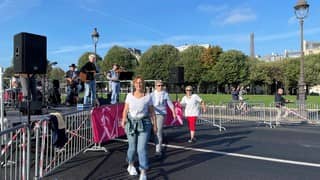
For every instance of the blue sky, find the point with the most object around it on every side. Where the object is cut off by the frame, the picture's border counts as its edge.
(68, 25)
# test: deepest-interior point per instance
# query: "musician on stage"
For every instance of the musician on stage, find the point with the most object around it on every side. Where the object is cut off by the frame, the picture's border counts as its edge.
(73, 85)
(113, 77)
(87, 74)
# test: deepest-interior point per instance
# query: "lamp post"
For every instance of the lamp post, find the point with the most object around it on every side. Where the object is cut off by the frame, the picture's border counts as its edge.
(301, 10)
(95, 39)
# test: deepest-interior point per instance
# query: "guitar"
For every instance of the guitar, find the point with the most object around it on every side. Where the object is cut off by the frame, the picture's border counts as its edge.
(83, 76)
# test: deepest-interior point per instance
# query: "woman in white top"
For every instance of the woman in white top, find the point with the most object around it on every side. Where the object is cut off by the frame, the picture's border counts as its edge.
(137, 118)
(192, 104)
(161, 99)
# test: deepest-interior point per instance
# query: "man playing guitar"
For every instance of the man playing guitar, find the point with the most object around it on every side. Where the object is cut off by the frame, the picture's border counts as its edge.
(90, 70)
(72, 78)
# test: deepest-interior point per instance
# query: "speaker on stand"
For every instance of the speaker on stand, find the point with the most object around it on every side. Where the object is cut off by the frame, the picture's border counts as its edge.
(29, 58)
(176, 77)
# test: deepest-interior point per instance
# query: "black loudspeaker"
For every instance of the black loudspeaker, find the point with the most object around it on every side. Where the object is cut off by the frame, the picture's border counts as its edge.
(176, 75)
(55, 84)
(30, 54)
(126, 75)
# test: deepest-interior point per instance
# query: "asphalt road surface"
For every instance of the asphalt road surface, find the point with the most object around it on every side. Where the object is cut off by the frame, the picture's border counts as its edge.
(243, 152)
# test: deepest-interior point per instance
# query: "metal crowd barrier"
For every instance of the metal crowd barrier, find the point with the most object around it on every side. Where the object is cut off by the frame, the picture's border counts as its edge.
(210, 117)
(236, 112)
(23, 144)
(79, 137)
(15, 154)
(293, 114)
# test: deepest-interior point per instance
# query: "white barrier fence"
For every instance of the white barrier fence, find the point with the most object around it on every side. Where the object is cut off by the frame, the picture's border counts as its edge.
(24, 144)
(14, 153)
(271, 116)
(20, 148)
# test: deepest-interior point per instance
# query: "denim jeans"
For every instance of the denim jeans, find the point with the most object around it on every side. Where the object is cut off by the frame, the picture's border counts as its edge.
(90, 89)
(115, 89)
(158, 138)
(138, 142)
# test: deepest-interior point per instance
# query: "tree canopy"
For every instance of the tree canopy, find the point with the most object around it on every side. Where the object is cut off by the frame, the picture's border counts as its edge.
(156, 62)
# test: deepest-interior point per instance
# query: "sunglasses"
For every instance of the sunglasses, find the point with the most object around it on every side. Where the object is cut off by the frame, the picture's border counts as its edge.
(188, 90)
(160, 85)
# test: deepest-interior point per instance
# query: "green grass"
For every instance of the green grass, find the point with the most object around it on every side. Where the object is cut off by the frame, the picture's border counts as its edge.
(266, 99)
(223, 98)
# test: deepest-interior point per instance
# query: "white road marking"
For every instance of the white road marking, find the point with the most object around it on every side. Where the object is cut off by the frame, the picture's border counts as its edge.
(237, 155)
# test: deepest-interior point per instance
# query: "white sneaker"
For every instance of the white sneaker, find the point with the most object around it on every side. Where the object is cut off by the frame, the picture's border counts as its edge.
(132, 170)
(143, 177)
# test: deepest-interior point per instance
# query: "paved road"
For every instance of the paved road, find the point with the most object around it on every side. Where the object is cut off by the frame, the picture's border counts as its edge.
(244, 151)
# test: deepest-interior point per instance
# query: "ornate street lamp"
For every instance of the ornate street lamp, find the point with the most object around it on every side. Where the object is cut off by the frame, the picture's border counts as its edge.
(301, 10)
(95, 39)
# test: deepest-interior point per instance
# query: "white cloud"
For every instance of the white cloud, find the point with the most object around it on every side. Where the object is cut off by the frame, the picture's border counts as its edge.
(239, 16)
(87, 47)
(286, 35)
(124, 20)
(143, 43)
(292, 20)
(226, 15)
(70, 48)
(207, 8)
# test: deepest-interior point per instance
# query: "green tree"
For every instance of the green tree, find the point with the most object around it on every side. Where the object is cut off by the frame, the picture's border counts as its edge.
(84, 59)
(291, 73)
(156, 62)
(57, 73)
(121, 56)
(8, 72)
(232, 68)
(312, 69)
(191, 60)
(209, 59)
(210, 56)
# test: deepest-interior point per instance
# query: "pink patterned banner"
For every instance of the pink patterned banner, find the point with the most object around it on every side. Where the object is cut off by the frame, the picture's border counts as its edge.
(106, 121)
(174, 122)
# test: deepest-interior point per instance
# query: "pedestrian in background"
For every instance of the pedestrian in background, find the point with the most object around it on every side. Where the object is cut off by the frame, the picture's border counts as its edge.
(161, 100)
(192, 104)
(280, 102)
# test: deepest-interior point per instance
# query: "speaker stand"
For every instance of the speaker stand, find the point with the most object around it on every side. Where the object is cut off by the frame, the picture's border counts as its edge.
(29, 98)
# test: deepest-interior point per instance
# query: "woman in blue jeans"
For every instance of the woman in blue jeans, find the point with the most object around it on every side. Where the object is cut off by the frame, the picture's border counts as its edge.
(138, 118)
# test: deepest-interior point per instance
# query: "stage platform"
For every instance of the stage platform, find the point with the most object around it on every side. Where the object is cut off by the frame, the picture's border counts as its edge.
(15, 117)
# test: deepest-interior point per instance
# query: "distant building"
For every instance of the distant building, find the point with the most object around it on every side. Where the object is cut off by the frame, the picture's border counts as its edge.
(314, 89)
(311, 47)
(308, 49)
(272, 57)
(252, 53)
(136, 53)
(186, 46)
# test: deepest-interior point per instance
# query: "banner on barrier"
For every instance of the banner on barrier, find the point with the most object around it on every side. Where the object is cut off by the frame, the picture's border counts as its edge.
(106, 121)
(169, 119)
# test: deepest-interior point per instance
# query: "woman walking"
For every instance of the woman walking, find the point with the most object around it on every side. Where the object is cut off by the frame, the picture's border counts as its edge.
(138, 118)
(192, 104)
